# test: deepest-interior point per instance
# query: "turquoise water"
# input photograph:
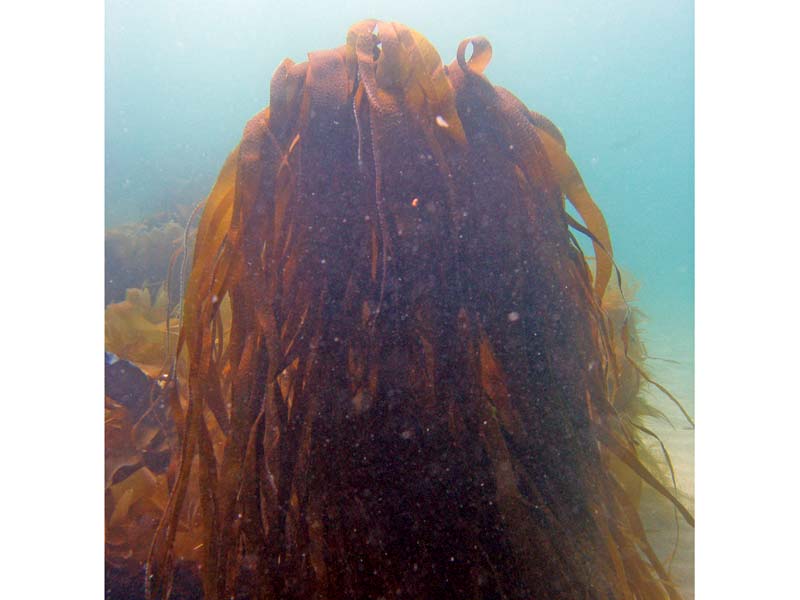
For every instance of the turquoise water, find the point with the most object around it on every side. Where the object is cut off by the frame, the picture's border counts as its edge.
(183, 78)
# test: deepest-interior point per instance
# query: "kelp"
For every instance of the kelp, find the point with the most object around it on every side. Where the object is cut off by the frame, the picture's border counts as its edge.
(136, 329)
(416, 393)
(139, 440)
(140, 433)
(137, 489)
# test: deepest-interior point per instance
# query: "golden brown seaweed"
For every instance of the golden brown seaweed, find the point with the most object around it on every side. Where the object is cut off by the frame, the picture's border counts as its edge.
(417, 388)
(135, 329)
(139, 433)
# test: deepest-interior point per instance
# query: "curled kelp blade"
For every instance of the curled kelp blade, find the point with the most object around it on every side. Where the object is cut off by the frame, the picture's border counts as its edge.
(398, 64)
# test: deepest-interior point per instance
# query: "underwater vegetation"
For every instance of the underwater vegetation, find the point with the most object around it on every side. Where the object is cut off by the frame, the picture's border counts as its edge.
(138, 253)
(393, 372)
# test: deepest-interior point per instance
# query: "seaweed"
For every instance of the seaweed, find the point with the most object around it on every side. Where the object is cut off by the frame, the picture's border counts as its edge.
(419, 391)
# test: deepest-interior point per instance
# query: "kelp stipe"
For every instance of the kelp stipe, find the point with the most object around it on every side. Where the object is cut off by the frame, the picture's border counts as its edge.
(416, 392)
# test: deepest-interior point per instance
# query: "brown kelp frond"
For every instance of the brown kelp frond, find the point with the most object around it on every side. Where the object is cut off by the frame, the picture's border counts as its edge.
(671, 469)
(181, 252)
(635, 358)
(665, 391)
(418, 392)
(630, 459)
(630, 402)
(141, 437)
(575, 190)
(209, 241)
(625, 328)
(136, 327)
(135, 330)
(138, 445)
